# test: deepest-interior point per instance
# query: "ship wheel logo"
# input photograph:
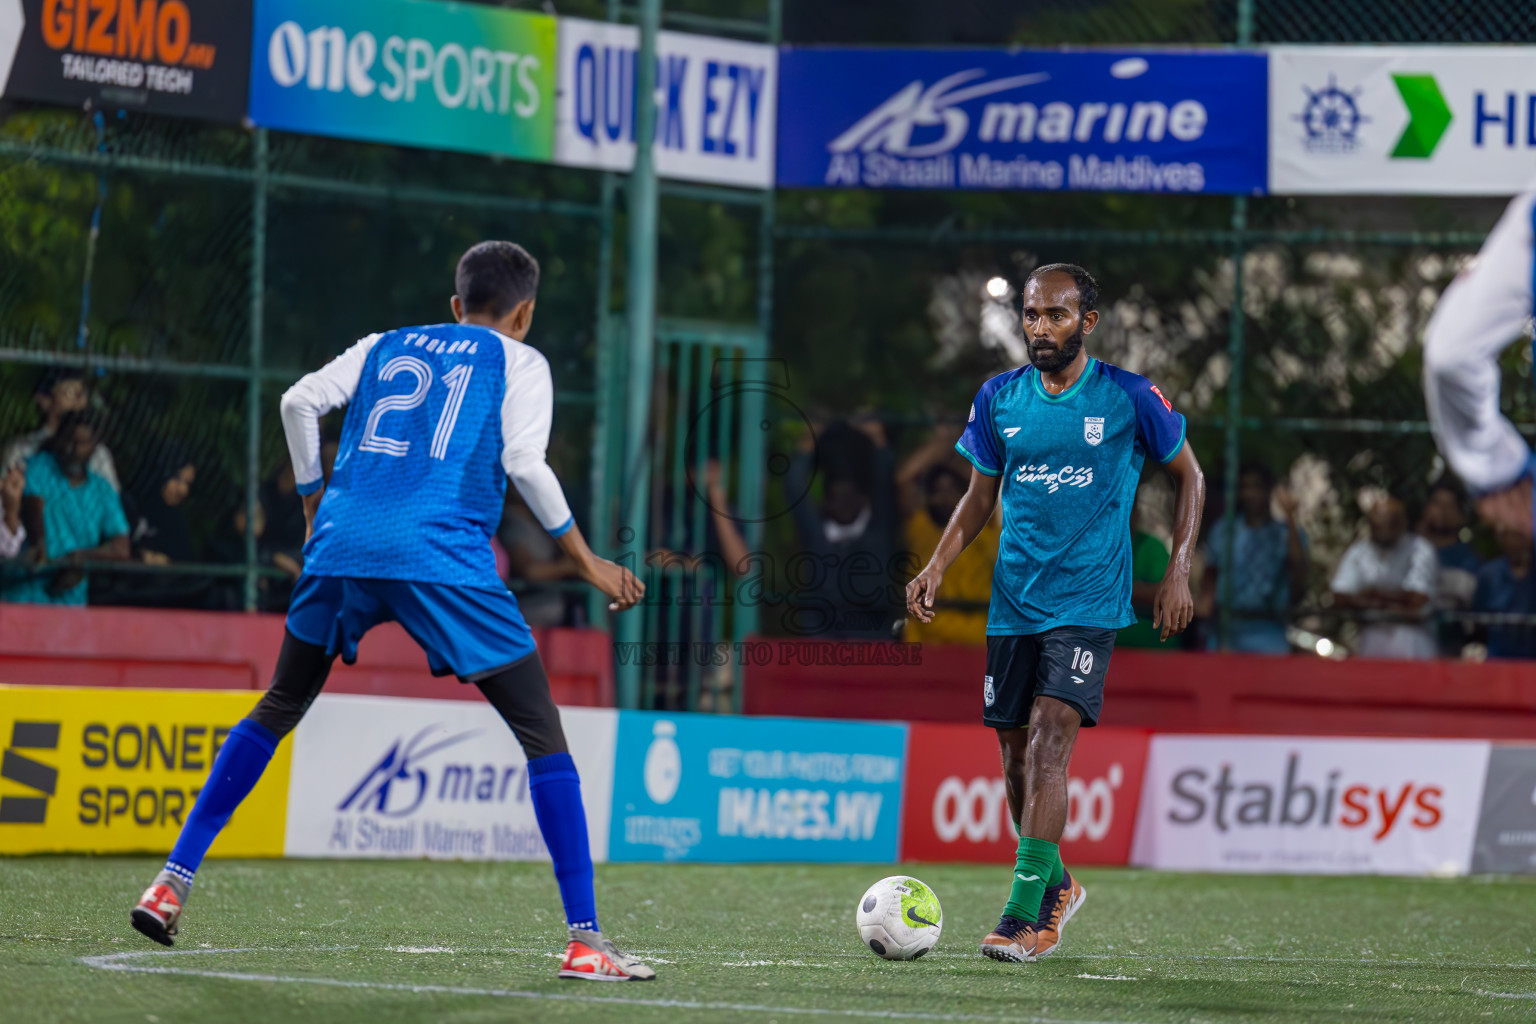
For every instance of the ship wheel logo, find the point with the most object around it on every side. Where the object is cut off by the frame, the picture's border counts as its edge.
(1332, 119)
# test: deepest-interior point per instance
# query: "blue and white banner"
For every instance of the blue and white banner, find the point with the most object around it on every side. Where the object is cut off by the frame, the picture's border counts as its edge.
(1147, 121)
(715, 102)
(712, 788)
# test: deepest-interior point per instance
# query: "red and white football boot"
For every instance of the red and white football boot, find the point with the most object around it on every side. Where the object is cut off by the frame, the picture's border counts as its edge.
(592, 956)
(158, 912)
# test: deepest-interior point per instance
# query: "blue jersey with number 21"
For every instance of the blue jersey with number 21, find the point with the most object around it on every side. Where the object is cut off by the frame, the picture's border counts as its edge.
(1069, 464)
(422, 466)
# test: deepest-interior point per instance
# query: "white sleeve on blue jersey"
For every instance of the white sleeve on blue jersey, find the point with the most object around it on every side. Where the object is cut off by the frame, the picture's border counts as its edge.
(1485, 308)
(315, 394)
(527, 413)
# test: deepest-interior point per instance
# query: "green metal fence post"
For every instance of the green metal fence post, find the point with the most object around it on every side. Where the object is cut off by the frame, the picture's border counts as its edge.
(601, 522)
(640, 298)
(253, 386)
(1232, 456)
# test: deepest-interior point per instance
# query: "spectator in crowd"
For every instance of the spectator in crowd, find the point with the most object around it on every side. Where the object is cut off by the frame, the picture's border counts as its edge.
(57, 393)
(1444, 525)
(1507, 585)
(1389, 574)
(160, 533)
(929, 484)
(71, 514)
(227, 547)
(847, 586)
(283, 510)
(1269, 564)
(13, 483)
(1149, 561)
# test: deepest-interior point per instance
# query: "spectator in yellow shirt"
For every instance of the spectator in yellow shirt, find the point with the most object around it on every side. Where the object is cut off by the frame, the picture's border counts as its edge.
(929, 484)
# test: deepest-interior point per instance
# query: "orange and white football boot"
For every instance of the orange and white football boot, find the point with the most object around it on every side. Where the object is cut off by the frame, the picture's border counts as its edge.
(592, 956)
(158, 912)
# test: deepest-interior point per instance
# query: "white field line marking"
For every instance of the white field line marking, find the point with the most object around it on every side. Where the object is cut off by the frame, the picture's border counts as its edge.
(115, 962)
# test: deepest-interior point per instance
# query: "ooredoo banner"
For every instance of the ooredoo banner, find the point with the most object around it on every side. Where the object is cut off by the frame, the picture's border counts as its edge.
(715, 103)
(1128, 121)
(467, 77)
(188, 58)
(1310, 806)
(1421, 120)
(116, 771)
(956, 804)
(442, 779)
(716, 788)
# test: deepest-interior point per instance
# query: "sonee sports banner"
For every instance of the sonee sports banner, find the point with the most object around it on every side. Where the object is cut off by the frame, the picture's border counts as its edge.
(188, 58)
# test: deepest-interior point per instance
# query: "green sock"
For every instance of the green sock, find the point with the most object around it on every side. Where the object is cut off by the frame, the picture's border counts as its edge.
(1037, 860)
(1057, 871)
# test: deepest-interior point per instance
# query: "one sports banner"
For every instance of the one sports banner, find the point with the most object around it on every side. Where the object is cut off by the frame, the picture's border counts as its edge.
(1306, 805)
(1506, 828)
(467, 77)
(956, 804)
(1419, 120)
(441, 779)
(188, 58)
(717, 788)
(715, 104)
(117, 770)
(1133, 121)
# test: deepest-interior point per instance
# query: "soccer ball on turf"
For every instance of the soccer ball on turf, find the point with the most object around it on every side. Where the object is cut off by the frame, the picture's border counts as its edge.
(899, 918)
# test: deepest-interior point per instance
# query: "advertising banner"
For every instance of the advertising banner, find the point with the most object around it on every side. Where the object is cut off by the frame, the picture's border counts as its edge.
(467, 77)
(442, 779)
(956, 806)
(1148, 121)
(116, 771)
(1404, 120)
(712, 788)
(1301, 805)
(715, 101)
(1506, 829)
(188, 58)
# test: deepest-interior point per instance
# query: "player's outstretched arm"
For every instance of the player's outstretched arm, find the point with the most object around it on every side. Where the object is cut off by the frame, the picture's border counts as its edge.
(1482, 311)
(624, 590)
(1173, 608)
(965, 523)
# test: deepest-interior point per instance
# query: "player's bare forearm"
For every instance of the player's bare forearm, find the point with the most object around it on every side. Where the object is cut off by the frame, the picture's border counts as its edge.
(620, 585)
(965, 525)
(311, 506)
(1173, 608)
(1510, 508)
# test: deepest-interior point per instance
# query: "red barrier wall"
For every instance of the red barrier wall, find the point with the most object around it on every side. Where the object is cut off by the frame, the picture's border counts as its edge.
(1177, 692)
(41, 645)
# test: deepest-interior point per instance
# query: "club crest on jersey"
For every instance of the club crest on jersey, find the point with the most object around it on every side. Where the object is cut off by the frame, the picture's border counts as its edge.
(1093, 429)
(988, 692)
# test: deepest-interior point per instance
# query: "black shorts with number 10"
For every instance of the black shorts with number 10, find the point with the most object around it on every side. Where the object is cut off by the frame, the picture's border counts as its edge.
(1067, 663)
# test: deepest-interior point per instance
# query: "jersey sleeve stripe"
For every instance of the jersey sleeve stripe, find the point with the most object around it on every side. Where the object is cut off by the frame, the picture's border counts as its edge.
(976, 462)
(564, 528)
(1179, 444)
(311, 487)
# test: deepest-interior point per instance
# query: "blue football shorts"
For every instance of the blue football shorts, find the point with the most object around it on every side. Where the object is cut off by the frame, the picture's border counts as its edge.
(466, 631)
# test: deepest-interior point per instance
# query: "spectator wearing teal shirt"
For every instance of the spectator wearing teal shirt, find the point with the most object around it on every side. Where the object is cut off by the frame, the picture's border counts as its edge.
(72, 515)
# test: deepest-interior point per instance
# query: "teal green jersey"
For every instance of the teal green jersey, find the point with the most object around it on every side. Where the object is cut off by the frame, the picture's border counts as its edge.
(1069, 465)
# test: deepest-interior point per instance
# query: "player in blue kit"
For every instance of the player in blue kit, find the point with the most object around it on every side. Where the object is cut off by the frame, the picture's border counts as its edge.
(1062, 443)
(439, 417)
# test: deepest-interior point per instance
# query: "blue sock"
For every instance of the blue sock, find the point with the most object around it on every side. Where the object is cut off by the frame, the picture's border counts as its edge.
(241, 760)
(556, 791)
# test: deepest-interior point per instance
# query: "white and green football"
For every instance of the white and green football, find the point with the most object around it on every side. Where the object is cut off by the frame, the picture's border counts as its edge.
(899, 918)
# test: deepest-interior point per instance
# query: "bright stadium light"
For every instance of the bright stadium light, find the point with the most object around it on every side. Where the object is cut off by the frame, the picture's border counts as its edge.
(1324, 647)
(997, 287)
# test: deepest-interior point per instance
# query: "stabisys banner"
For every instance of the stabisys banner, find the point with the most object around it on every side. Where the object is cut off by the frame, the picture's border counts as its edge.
(715, 104)
(1127, 121)
(1301, 805)
(442, 779)
(188, 58)
(956, 804)
(1402, 120)
(117, 770)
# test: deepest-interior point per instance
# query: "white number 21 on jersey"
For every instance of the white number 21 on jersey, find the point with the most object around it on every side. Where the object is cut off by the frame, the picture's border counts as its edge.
(457, 380)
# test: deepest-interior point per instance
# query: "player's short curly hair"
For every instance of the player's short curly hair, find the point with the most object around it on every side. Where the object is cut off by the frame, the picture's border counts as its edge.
(493, 277)
(1087, 287)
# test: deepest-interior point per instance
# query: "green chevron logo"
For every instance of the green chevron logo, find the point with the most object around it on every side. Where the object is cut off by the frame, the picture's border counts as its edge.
(1428, 116)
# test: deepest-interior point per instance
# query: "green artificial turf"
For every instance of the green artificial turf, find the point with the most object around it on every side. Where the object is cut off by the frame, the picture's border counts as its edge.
(410, 941)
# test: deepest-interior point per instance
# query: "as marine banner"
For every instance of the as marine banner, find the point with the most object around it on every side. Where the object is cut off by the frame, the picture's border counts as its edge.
(188, 58)
(116, 771)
